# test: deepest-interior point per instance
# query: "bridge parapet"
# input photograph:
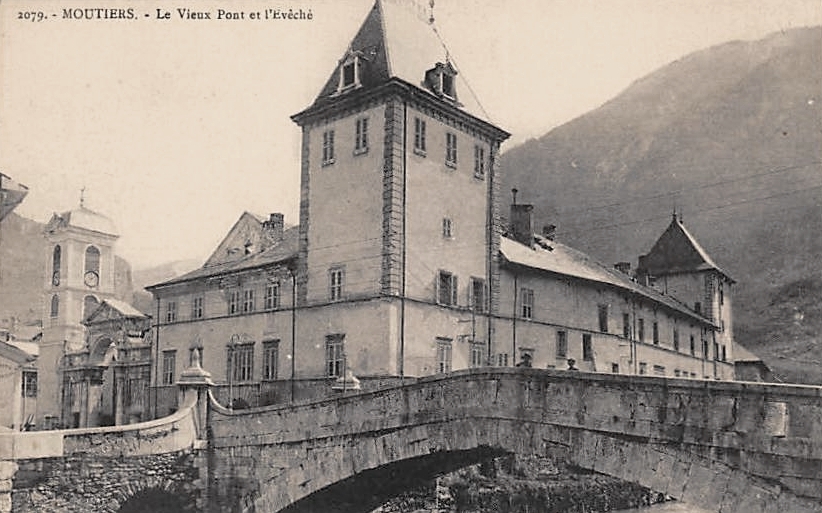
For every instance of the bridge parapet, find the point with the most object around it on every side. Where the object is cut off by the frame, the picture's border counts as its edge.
(704, 441)
(98, 469)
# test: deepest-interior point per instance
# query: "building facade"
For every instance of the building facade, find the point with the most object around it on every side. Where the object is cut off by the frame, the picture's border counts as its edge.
(401, 264)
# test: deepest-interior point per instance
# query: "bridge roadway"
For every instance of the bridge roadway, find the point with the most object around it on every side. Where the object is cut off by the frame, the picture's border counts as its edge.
(723, 446)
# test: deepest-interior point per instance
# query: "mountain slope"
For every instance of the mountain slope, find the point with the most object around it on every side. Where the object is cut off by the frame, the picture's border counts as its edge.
(731, 137)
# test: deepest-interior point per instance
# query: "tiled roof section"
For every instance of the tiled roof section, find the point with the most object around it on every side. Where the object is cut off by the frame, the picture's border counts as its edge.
(284, 250)
(742, 355)
(676, 251)
(15, 354)
(121, 307)
(84, 218)
(564, 260)
(11, 195)
(396, 41)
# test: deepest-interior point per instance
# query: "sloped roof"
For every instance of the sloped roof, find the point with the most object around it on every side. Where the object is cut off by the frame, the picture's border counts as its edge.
(564, 260)
(81, 217)
(15, 354)
(284, 250)
(121, 307)
(742, 355)
(11, 195)
(677, 251)
(397, 41)
(31, 348)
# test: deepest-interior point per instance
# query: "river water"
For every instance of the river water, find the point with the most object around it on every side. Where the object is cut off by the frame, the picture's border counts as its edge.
(668, 507)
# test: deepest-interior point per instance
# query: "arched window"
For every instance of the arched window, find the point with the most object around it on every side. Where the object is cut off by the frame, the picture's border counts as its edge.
(90, 304)
(55, 305)
(92, 260)
(55, 265)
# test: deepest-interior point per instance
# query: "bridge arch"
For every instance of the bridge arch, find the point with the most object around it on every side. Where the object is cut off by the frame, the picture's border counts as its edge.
(155, 495)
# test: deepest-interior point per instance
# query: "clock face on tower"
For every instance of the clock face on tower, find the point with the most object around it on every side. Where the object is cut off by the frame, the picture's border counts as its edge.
(91, 279)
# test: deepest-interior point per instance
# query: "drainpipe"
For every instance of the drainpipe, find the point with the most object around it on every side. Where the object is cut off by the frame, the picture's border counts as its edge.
(156, 360)
(404, 255)
(293, 327)
(514, 322)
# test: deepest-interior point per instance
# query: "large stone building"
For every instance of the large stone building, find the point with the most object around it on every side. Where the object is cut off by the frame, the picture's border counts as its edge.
(401, 264)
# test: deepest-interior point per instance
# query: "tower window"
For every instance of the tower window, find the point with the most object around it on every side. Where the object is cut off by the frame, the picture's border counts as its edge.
(419, 136)
(349, 73)
(479, 162)
(336, 281)
(328, 147)
(450, 149)
(446, 288)
(91, 277)
(90, 304)
(446, 228)
(55, 265)
(55, 306)
(361, 137)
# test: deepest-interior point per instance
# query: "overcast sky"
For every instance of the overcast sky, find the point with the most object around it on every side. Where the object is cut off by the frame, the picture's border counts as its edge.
(176, 127)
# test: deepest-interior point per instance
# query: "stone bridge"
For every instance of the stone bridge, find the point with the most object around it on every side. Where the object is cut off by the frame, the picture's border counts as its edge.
(723, 446)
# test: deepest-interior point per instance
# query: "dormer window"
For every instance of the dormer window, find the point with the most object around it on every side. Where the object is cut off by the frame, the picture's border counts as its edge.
(441, 80)
(350, 72)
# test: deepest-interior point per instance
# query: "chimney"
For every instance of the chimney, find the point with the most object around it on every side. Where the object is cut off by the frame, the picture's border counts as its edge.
(522, 222)
(623, 267)
(274, 227)
(549, 231)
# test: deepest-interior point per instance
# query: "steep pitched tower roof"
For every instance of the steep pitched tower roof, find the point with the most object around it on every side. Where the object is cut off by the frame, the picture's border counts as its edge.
(399, 45)
(677, 251)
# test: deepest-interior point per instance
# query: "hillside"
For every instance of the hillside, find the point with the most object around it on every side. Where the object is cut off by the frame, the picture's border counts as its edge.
(731, 137)
(23, 258)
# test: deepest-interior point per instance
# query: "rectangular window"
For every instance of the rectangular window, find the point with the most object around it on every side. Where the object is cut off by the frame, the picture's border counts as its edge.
(724, 354)
(659, 370)
(248, 300)
(171, 311)
(336, 281)
(272, 296)
(419, 136)
(626, 325)
(677, 373)
(334, 355)
(443, 355)
(233, 302)
(29, 384)
(676, 339)
(479, 162)
(693, 345)
(698, 307)
(361, 137)
(640, 327)
(705, 349)
(643, 368)
(615, 368)
(450, 149)
(603, 318)
(656, 333)
(271, 358)
(527, 303)
(477, 295)
(477, 354)
(240, 362)
(169, 363)
(587, 348)
(446, 288)
(446, 228)
(197, 308)
(328, 147)
(562, 344)
(502, 359)
(716, 351)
